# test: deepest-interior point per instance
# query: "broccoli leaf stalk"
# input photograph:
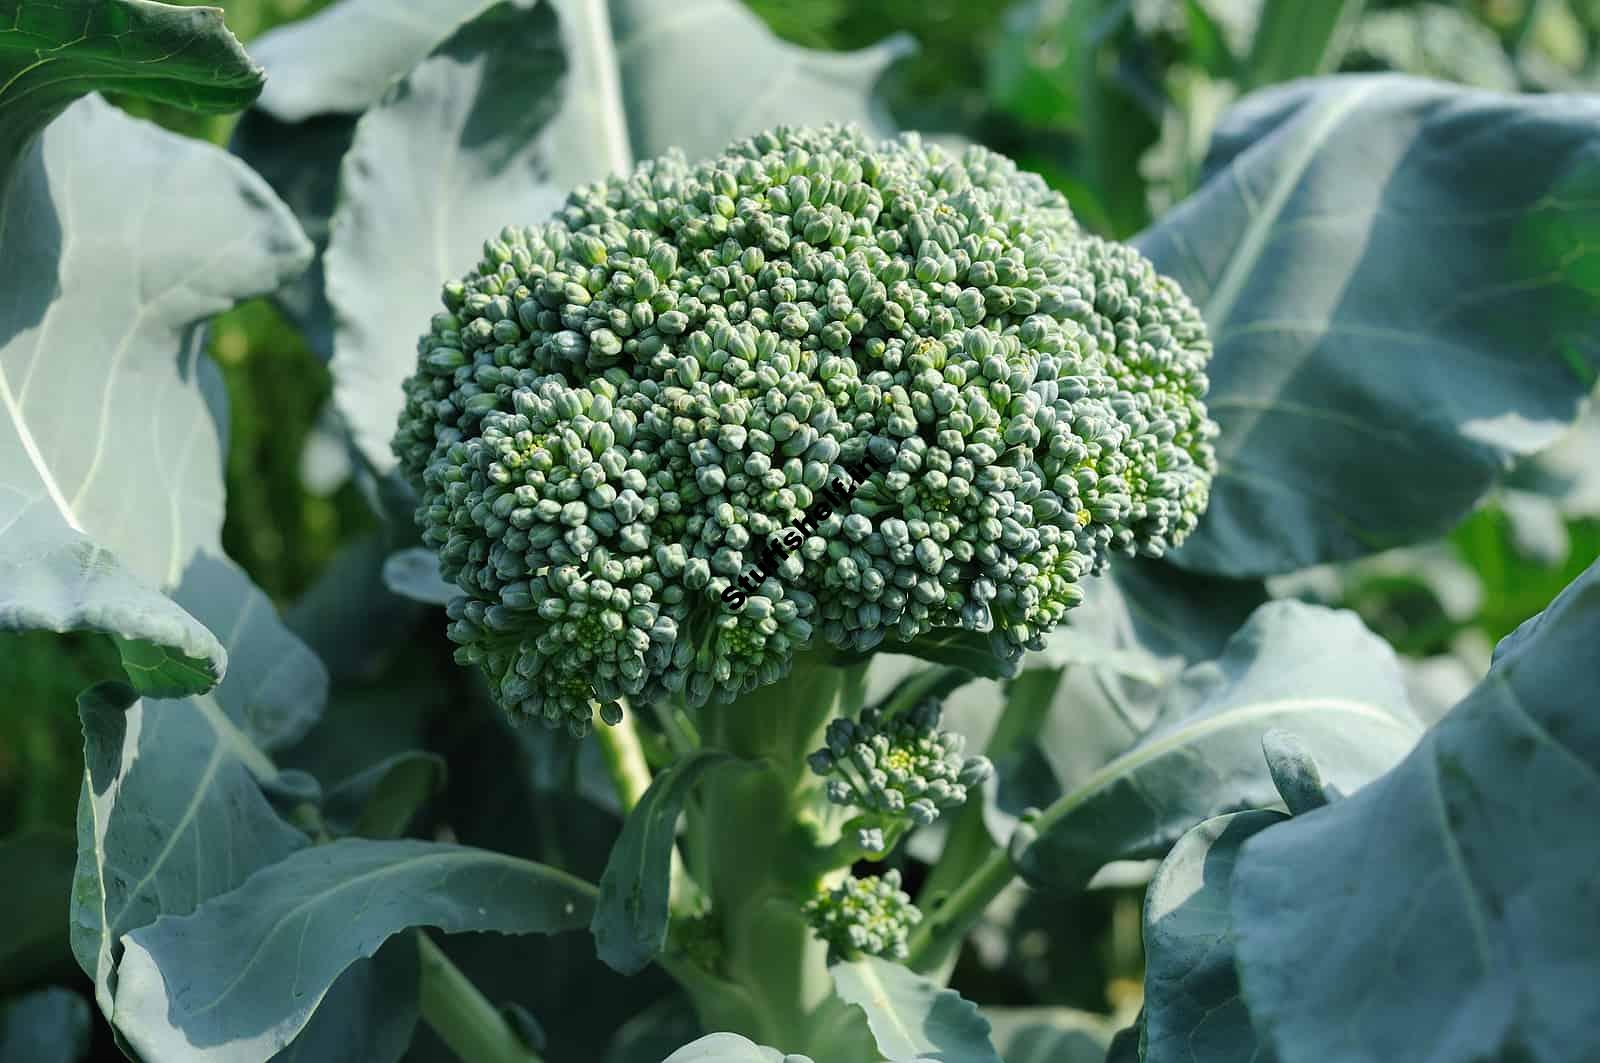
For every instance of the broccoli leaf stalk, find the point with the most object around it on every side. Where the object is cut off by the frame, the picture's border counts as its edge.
(463, 1018)
(972, 870)
(755, 836)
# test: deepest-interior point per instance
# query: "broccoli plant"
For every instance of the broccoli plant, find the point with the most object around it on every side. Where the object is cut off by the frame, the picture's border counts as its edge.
(803, 545)
(628, 426)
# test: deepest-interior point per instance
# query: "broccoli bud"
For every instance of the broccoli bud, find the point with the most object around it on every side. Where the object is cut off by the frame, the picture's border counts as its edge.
(869, 916)
(628, 424)
(897, 767)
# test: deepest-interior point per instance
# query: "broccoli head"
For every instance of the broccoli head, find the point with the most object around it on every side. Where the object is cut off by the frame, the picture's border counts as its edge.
(814, 391)
(869, 916)
(897, 768)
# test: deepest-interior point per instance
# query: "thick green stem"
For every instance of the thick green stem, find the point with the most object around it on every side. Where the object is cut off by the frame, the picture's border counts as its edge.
(463, 1018)
(756, 840)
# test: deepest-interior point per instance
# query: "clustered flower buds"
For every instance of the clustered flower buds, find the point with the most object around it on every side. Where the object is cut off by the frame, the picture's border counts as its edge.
(869, 916)
(619, 410)
(898, 766)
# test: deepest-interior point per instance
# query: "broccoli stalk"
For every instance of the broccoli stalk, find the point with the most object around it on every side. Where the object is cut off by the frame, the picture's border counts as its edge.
(753, 844)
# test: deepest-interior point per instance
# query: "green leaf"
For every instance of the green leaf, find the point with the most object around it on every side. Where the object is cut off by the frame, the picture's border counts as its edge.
(1133, 634)
(322, 72)
(72, 561)
(382, 800)
(1049, 1035)
(1461, 883)
(342, 59)
(1295, 774)
(1294, 39)
(630, 920)
(304, 920)
(33, 935)
(414, 573)
(156, 838)
(370, 1014)
(913, 1018)
(172, 810)
(1401, 281)
(49, 1026)
(1314, 670)
(53, 51)
(730, 1048)
(449, 158)
(122, 289)
(1192, 1006)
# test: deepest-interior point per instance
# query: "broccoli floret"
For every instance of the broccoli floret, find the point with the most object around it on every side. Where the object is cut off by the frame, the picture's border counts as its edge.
(814, 390)
(898, 769)
(869, 916)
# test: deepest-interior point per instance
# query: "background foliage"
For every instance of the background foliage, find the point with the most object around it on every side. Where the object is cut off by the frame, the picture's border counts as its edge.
(1113, 101)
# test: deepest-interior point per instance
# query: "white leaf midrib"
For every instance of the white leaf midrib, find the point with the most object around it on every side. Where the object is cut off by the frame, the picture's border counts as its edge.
(886, 1006)
(592, 27)
(1219, 306)
(30, 447)
(1199, 726)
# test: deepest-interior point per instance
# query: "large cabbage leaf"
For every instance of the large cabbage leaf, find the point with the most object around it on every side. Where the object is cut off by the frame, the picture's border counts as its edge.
(54, 51)
(1401, 279)
(303, 922)
(1447, 911)
(1315, 671)
(111, 418)
(111, 457)
(177, 801)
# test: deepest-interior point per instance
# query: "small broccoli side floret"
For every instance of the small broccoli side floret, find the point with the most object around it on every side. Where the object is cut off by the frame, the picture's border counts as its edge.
(897, 767)
(869, 916)
(621, 411)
